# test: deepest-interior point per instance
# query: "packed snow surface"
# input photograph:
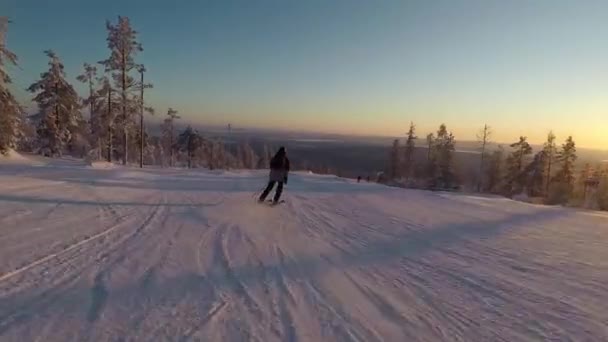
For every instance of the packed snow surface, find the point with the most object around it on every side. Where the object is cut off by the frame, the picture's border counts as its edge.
(116, 254)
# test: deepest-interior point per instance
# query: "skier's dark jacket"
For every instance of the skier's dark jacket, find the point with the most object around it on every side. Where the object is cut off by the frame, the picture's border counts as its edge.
(279, 167)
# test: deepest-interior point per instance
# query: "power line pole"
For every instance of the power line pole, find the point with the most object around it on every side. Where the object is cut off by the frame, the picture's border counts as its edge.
(141, 70)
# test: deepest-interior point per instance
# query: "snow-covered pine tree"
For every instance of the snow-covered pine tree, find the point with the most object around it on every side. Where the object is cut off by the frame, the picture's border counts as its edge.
(106, 105)
(483, 137)
(580, 187)
(59, 107)
(394, 161)
(11, 112)
(563, 181)
(123, 45)
(549, 150)
(602, 193)
(515, 177)
(430, 139)
(535, 174)
(168, 135)
(410, 146)
(431, 162)
(443, 150)
(265, 158)
(494, 170)
(189, 142)
(96, 131)
(247, 156)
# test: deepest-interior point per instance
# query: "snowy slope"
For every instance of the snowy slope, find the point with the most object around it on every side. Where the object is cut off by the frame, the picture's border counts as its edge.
(122, 254)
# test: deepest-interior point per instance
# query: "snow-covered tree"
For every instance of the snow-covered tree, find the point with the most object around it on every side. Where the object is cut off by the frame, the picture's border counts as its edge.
(394, 161)
(106, 106)
(566, 158)
(168, 135)
(515, 177)
(214, 154)
(10, 111)
(430, 139)
(189, 142)
(89, 77)
(264, 160)
(494, 170)
(410, 146)
(247, 156)
(483, 138)
(549, 151)
(563, 181)
(535, 174)
(442, 156)
(59, 107)
(123, 45)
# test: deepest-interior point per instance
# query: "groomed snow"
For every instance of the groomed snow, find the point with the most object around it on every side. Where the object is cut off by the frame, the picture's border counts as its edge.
(117, 254)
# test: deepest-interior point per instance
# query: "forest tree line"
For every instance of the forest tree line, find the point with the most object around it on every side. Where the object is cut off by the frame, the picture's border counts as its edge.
(550, 175)
(114, 129)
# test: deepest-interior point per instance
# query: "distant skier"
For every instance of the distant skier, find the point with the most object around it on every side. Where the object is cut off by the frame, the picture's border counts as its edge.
(279, 170)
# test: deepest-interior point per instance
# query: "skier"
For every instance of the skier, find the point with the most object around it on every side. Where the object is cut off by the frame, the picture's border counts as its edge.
(279, 169)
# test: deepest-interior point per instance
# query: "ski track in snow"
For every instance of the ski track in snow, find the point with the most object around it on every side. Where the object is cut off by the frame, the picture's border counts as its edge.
(139, 255)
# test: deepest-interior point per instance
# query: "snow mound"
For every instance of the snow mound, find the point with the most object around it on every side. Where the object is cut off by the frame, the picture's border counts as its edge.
(14, 157)
(101, 165)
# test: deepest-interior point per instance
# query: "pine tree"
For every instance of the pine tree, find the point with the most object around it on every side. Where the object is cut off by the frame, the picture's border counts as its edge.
(443, 150)
(59, 107)
(516, 178)
(247, 156)
(106, 106)
(549, 151)
(535, 174)
(586, 174)
(265, 158)
(564, 177)
(89, 77)
(566, 158)
(167, 129)
(123, 44)
(189, 141)
(430, 160)
(10, 111)
(410, 146)
(484, 138)
(430, 138)
(494, 171)
(394, 161)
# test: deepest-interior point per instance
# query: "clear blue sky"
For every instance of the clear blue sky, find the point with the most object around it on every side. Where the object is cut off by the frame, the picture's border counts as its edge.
(349, 66)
